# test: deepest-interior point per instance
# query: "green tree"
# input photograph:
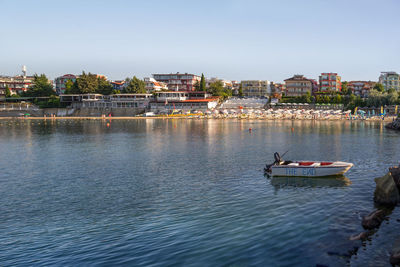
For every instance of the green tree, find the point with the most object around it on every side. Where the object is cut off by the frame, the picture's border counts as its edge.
(73, 89)
(7, 92)
(304, 98)
(103, 86)
(135, 86)
(392, 97)
(327, 99)
(86, 83)
(379, 87)
(240, 90)
(197, 86)
(345, 88)
(68, 86)
(337, 99)
(217, 89)
(40, 87)
(202, 83)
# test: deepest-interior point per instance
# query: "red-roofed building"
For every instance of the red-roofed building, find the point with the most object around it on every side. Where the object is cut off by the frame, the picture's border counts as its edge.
(118, 85)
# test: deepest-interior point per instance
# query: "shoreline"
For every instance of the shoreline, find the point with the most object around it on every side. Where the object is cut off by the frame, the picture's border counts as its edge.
(387, 119)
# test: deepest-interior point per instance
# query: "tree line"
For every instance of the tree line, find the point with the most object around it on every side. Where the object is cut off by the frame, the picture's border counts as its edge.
(376, 97)
(216, 88)
(88, 83)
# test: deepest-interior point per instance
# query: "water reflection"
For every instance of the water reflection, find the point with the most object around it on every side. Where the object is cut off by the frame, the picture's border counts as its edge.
(282, 182)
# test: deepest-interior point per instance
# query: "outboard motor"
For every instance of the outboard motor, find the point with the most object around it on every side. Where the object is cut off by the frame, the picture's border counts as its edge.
(277, 161)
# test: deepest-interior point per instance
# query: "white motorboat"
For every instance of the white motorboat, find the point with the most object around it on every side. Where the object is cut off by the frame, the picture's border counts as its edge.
(306, 168)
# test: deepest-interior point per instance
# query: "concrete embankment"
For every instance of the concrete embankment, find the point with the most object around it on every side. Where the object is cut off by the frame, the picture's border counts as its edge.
(71, 112)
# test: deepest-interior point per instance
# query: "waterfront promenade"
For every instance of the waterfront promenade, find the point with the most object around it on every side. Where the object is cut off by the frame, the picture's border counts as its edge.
(194, 116)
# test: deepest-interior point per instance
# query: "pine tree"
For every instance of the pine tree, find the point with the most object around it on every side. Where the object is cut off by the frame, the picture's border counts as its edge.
(202, 83)
(104, 87)
(240, 90)
(135, 86)
(41, 86)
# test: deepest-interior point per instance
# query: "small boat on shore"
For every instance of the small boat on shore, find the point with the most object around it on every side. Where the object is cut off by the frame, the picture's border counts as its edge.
(306, 168)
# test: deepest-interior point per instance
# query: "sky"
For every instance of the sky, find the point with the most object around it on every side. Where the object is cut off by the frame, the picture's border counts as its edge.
(231, 39)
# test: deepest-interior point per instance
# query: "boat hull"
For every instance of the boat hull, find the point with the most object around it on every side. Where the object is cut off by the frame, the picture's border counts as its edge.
(309, 171)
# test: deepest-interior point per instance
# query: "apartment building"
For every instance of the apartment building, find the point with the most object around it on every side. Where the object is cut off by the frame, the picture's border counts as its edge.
(16, 84)
(256, 88)
(361, 88)
(298, 85)
(390, 80)
(330, 82)
(60, 82)
(178, 81)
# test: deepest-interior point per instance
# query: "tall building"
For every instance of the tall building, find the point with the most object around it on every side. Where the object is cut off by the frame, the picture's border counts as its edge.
(299, 85)
(361, 88)
(330, 82)
(390, 80)
(178, 81)
(61, 81)
(256, 88)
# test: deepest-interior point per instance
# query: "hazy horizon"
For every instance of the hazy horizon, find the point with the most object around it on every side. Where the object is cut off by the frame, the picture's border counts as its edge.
(235, 40)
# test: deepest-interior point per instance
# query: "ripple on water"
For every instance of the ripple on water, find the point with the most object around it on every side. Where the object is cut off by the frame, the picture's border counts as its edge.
(168, 192)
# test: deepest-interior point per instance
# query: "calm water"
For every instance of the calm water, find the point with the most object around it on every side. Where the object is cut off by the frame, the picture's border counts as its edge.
(187, 193)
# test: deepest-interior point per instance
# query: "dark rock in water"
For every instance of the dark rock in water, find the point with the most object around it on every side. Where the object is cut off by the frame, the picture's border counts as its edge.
(373, 220)
(395, 125)
(395, 255)
(361, 236)
(395, 172)
(386, 192)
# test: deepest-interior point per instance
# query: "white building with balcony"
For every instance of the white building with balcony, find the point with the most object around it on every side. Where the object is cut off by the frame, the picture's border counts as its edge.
(185, 101)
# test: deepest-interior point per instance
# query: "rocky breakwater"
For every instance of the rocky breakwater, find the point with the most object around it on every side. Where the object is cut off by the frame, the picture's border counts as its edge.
(386, 197)
(394, 125)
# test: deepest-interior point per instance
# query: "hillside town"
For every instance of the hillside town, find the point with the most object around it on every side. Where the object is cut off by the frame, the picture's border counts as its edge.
(180, 93)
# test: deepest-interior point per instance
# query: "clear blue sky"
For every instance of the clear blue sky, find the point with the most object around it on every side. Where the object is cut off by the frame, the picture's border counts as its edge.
(233, 39)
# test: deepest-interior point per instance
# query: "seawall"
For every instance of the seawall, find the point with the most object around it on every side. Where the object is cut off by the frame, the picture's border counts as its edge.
(73, 112)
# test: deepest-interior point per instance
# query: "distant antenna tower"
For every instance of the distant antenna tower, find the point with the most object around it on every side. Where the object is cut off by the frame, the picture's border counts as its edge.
(24, 70)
